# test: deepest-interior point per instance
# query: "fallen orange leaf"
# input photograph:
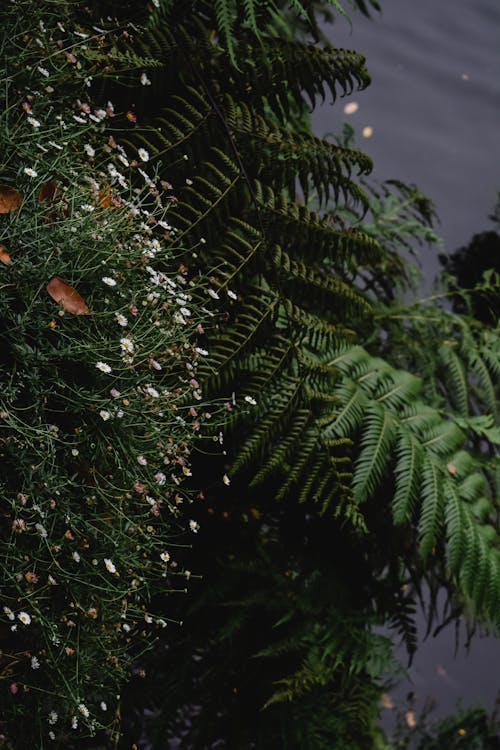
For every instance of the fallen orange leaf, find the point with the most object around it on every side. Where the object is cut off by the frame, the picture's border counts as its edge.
(105, 197)
(410, 720)
(4, 256)
(10, 199)
(67, 296)
(48, 191)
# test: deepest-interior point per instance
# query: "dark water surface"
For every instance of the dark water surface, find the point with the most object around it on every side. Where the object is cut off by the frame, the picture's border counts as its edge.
(434, 107)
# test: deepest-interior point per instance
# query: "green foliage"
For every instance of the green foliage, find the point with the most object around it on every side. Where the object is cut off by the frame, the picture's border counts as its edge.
(92, 344)
(336, 405)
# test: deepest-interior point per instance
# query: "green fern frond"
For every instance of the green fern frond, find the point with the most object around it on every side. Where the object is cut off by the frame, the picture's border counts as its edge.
(379, 431)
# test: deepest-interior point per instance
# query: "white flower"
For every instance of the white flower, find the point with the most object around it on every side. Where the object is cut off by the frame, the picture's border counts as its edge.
(123, 160)
(127, 346)
(10, 614)
(201, 351)
(103, 706)
(165, 556)
(103, 367)
(33, 121)
(74, 722)
(79, 119)
(142, 461)
(43, 71)
(213, 294)
(250, 400)
(164, 225)
(30, 172)
(226, 479)
(232, 294)
(109, 281)
(51, 735)
(109, 565)
(89, 150)
(35, 664)
(148, 619)
(194, 526)
(76, 556)
(87, 207)
(104, 414)
(156, 3)
(126, 627)
(41, 530)
(84, 710)
(143, 154)
(152, 392)
(160, 478)
(188, 181)
(53, 717)
(121, 319)
(145, 80)
(24, 617)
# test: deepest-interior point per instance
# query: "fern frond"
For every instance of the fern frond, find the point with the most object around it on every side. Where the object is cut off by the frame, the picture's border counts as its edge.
(379, 431)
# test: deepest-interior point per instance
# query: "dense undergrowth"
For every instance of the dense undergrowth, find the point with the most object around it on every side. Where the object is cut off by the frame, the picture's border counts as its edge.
(185, 265)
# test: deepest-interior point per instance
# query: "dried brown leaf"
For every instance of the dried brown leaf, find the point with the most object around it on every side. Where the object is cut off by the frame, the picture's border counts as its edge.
(10, 199)
(67, 296)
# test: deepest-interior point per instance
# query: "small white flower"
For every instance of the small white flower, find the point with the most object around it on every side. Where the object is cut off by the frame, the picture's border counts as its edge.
(53, 717)
(33, 121)
(143, 154)
(164, 225)
(213, 294)
(188, 181)
(104, 414)
(194, 526)
(232, 294)
(30, 172)
(201, 351)
(142, 461)
(35, 664)
(123, 160)
(148, 619)
(41, 530)
(156, 365)
(127, 346)
(152, 392)
(145, 80)
(74, 722)
(109, 281)
(110, 567)
(10, 614)
(103, 367)
(250, 400)
(126, 627)
(84, 710)
(226, 479)
(121, 319)
(89, 150)
(100, 114)
(103, 706)
(165, 556)
(75, 451)
(55, 145)
(43, 71)
(24, 617)
(156, 3)
(160, 478)
(79, 119)
(76, 556)
(87, 207)
(51, 735)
